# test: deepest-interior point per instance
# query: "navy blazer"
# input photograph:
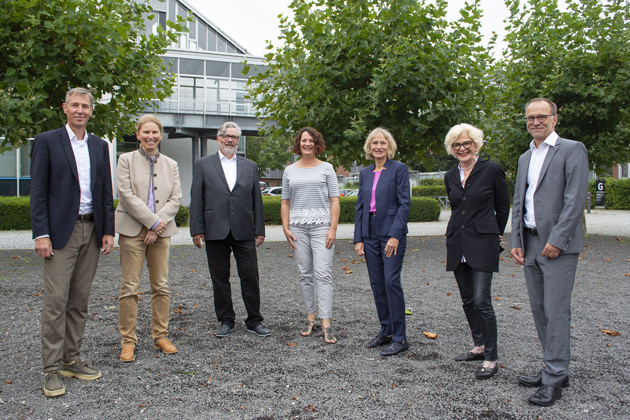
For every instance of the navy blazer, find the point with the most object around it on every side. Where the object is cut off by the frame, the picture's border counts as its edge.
(55, 190)
(479, 214)
(392, 202)
(216, 211)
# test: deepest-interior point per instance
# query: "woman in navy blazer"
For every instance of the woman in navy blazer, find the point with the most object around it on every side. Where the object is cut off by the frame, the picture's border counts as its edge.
(479, 212)
(380, 233)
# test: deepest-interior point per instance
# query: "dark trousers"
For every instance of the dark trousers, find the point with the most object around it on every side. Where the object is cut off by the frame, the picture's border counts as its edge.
(474, 288)
(218, 253)
(387, 289)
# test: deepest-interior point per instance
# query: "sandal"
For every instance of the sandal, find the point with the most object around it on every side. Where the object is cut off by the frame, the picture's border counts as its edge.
(329, 337)
(308, 328)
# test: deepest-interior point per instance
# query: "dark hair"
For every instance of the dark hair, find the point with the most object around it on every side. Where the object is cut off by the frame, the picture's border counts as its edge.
(320, 144)
(554, 107)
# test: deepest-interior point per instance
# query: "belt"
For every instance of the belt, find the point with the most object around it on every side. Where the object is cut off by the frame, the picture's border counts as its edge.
(86, 217)
(531, 231)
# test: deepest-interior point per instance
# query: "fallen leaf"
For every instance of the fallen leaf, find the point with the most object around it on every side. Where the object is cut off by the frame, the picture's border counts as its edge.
(448, 294)
(8, 382)
(611, 333)
(607, 259)
(627, 274)
(37, 294)
(515, 307)
(580, 258)
(354, 262)
(310, 408)
(394, 386)
(268, 247)
(497, 298)
(501, 366)
(242, 407)
(178, 310)
(183, 372)
(348, 271)
(16, 257)
(344, 259)
(432, 336)
(290, 256)
(442, 262)
(193, 271)
(142, 405)
(196, 306)
(427, 284)
(210, 379)
(512, 275)
(291, 344)
(294, 398)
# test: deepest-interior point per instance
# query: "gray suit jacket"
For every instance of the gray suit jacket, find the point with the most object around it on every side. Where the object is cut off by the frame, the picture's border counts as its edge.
(215, 210)
(559, 198)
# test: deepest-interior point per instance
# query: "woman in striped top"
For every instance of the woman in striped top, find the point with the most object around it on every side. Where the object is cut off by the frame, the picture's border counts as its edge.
(310, 213)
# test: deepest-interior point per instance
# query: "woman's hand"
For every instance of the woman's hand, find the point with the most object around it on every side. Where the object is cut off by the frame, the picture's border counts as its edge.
(391, 247)
(330, 238)
(290, 238)
(150, 238)
(358, 248)
(160, 228)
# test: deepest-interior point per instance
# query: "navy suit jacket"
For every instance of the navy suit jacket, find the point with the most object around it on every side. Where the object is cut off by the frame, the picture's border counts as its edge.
(479, 214)
(55, 190)
(392, 202)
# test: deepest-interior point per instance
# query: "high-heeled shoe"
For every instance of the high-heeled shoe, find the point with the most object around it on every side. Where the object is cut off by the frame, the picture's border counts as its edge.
(308, 328)
(329, 337)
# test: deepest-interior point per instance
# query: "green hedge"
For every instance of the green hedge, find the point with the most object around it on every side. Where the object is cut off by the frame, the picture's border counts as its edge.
(428, 191)
(617, 194)
(15, 213)
(422, 210)
(431, 182)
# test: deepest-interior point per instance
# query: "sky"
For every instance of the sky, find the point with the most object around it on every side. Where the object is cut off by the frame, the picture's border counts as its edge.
(251, 22)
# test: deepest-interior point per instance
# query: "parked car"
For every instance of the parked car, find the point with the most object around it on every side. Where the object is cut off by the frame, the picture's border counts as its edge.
(347, 192)
(263, 185)
(273, 191)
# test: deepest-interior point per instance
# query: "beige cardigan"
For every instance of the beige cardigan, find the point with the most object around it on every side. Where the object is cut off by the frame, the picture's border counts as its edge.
(132, 181)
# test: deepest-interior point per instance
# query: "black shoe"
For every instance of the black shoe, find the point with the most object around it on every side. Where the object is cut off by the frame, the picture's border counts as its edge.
(546, 395)
(467, 357)
(486, 373)
(378, 341)
(536, 381)
(394, 348)
(260, 331)
(223, 331)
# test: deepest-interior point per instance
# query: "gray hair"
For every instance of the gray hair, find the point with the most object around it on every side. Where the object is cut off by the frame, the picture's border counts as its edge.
(475, 134)
(82, 92)
(391, 143)
(554, 107)
(227, 124)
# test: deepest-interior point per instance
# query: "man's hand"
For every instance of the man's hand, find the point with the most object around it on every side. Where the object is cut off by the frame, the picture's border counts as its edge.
(358, 248)
(550, 251)
(43, 246)
(518, 256)
(199, 239)
(108, 244)
(259, 240)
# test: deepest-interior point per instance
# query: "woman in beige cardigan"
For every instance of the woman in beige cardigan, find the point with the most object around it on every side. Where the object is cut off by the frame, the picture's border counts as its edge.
(149, 193)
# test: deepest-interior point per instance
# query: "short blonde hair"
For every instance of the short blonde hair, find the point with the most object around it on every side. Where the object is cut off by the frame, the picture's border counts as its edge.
(149, 118)
(475, 134)
(391, 146)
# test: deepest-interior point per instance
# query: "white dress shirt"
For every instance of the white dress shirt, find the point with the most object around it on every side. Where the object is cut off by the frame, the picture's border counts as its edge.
(533, 174)
(462, 175)
(82, 158)
(229, 169)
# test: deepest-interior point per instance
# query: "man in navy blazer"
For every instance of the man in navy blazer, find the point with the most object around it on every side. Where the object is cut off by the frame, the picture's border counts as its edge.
(549, 198)
(72, 216)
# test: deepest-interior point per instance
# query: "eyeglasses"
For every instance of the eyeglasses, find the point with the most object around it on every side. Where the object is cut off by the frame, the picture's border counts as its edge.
(226, 137)
(465, 145)
(541, 118)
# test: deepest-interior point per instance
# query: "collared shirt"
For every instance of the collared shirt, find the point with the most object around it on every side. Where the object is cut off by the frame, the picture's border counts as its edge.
(151, 198)
(229, 169)
(462, 175)
(82, 158)
(533, 174)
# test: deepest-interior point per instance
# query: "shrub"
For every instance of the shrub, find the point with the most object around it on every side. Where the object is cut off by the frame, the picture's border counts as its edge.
(424, 210)
(15, 213)
(435, 190)
(618, 194)
(272, 210)
(431, 182)
(182, 217)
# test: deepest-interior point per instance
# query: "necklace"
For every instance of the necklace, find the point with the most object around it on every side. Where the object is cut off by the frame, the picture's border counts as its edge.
(465, 169)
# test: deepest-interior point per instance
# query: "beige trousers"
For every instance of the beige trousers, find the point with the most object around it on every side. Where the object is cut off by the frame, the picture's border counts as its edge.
(68, 277)
(132, 254)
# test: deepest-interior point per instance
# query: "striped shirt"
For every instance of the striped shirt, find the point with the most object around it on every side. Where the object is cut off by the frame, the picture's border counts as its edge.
(309, 190)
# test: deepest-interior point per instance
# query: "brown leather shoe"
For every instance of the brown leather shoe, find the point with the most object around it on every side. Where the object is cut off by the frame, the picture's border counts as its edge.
(166, 346)
(127, 353)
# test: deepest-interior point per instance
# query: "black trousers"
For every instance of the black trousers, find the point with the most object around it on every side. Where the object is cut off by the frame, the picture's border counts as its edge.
(218, 253)
(474, 288)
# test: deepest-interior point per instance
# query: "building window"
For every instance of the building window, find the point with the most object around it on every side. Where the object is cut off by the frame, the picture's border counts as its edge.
(191, 66)
(217, 69)
(171, 64)
(212, 40)
(221, 45)
(203, 37)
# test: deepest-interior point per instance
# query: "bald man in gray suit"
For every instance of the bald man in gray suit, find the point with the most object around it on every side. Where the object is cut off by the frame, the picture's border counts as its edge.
(549, 199)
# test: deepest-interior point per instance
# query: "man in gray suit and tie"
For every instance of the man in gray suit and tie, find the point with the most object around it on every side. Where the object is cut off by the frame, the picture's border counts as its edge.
(549, 198)
(226, 212)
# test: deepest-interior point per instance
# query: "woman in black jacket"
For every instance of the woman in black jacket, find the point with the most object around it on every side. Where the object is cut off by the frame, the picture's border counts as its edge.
(480, 206)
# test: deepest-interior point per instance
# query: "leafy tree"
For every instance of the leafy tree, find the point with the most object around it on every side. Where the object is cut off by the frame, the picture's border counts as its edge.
(269, 152)
(348, 66)
(578, 58)
(50, 46)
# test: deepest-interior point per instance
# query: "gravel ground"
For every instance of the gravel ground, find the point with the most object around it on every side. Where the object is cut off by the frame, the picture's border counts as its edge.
(288, 376)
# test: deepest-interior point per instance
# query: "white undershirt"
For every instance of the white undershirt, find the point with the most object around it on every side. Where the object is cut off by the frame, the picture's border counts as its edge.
(533, 174)
(82, 158)
(229, 169)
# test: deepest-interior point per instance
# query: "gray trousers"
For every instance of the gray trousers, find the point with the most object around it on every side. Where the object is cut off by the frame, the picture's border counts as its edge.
(68, 277)
(550, 285)
(314, 264)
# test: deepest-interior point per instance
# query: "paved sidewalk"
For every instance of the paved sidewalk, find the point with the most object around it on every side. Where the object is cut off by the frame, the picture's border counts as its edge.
(600, 221)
